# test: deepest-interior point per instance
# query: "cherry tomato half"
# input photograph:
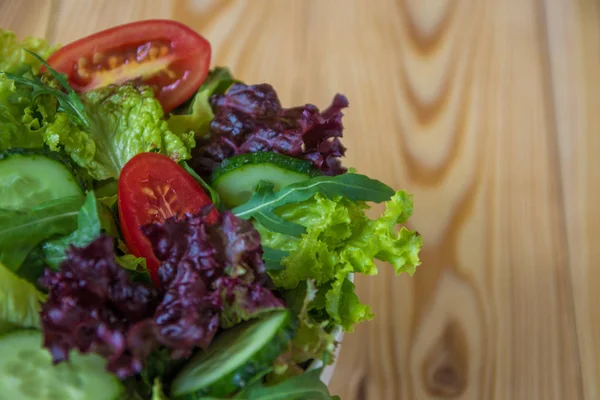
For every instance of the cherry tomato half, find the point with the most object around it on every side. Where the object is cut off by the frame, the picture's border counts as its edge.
(152, 188)
(167, 55)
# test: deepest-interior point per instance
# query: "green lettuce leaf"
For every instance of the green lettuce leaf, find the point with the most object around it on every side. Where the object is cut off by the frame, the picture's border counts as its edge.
(196, 116)
(214, 196)
(312, 340)
(93, 219)
(18, 126)
(19, 302)
(21, 232)
(13, 56)
(341, 239)
(124, 121)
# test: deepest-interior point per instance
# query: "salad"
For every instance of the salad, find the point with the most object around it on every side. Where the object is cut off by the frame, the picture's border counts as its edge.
(170, 232)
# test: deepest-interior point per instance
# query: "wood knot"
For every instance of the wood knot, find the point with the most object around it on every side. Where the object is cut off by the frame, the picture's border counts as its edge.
(445, 368)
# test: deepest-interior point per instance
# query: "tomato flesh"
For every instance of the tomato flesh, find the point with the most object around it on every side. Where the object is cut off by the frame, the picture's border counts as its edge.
(167, 55)
(152, 188)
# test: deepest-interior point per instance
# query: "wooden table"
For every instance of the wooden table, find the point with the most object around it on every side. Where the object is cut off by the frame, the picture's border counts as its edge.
(489, 112)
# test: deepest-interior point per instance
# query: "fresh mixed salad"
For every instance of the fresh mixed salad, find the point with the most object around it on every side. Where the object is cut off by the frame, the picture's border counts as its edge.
(170, 232)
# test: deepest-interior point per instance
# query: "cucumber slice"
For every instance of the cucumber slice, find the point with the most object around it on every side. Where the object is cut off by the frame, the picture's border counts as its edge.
(31, 177)
(237, 177)
(27, 372)
(236, 357)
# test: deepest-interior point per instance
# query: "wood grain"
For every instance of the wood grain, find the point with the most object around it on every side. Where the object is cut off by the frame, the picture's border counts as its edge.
(487, 111)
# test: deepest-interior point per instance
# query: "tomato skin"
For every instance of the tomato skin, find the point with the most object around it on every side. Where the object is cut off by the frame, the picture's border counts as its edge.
(175, 77)
(152, 188)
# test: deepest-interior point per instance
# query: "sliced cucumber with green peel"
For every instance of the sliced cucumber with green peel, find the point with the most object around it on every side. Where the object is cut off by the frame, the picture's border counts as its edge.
(27, 372)
(29, 177)
(237, 177)
(235, 358)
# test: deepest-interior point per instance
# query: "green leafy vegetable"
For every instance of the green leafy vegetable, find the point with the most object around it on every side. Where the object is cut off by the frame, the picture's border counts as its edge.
(108, 201)
(132, 263)
(301, 387)
(19, 302)
(13, 55)
(33, 267)
(68, 102)
(272, 258)
(196, 116)
(124, 121)
(264, 200)
(340, 239)
(21, 232)
(214, 196)
(93, 219)
(312, 340)
(18, 125)
(271, 220)
(157, 391)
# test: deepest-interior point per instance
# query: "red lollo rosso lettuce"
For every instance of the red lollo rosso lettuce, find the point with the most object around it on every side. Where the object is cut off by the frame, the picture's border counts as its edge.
(212, 274)
(93, 306)
(225, 256)
(250, 119)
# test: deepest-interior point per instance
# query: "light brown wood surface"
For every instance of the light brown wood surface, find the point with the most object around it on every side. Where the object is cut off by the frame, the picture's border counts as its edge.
(489, 112)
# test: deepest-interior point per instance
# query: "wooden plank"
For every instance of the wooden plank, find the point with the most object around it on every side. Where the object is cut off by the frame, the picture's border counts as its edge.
(76, 18)
(574, 38)
(25, 18)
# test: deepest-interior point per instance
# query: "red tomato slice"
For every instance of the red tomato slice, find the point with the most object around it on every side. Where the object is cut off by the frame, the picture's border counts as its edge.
(167, 55)
(152, 188)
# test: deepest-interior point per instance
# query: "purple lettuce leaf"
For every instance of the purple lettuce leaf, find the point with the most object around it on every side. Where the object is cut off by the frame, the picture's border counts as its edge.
(226, 257)
(251, 119)
(93, 307)
(211, 275)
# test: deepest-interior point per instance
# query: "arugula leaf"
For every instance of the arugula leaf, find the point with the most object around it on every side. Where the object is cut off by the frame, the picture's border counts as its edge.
(301, 387)
(93, 219)
(68, 102)
(21, 232)
(272, 258)
(214, 196)
(264, 200)
(275, 223)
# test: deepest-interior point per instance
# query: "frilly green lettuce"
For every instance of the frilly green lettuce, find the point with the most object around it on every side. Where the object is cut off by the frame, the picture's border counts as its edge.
(125, 120)
(196, 115)
(13, 57)
(18, 125)
(19, 122)
(340, 239)
(312, 340)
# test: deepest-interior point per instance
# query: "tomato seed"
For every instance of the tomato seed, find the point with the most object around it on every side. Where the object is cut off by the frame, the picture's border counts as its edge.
(97, 58)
